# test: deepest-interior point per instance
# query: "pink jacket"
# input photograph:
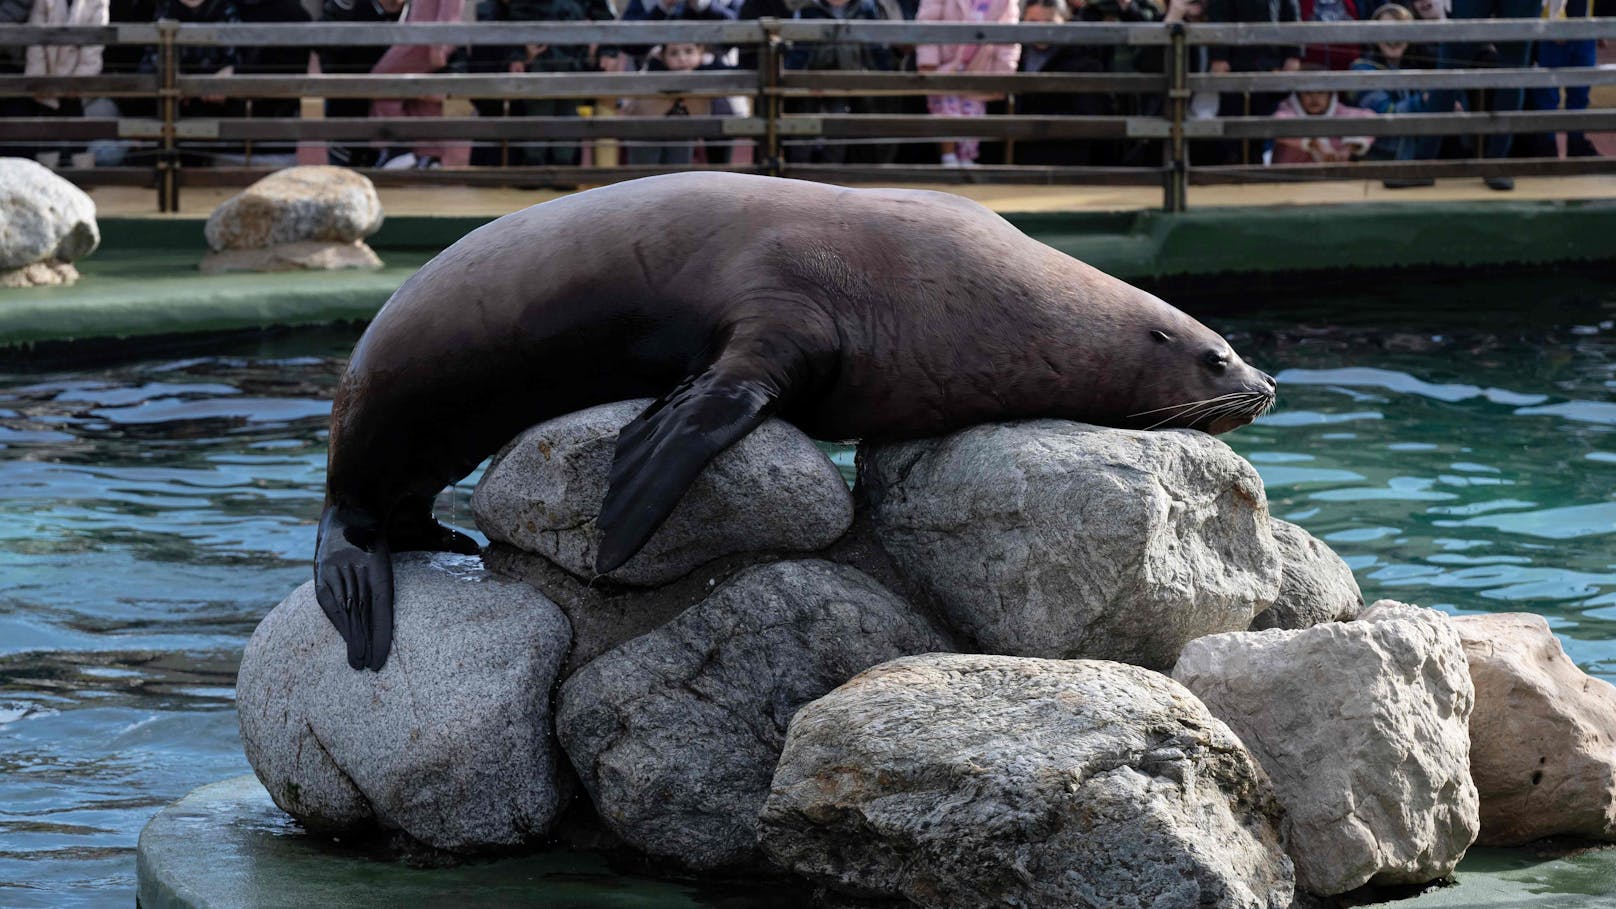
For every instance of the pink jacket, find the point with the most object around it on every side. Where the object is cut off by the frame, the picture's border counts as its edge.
(419, 58)
(969, 58)
(1311, 149)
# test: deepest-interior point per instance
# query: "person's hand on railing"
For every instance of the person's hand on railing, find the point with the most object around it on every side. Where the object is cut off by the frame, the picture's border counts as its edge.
(222, 73)
(1218, 66)
(1291, 65)
(1183, 11)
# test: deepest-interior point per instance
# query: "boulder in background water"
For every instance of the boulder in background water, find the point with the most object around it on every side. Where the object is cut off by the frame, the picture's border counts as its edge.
(1056, 539)
(676, 733)
(772, 491)
(1543, 736)
(969, 780)
(1364, 729)
(45, 223)
(311, 217)
(451, 742)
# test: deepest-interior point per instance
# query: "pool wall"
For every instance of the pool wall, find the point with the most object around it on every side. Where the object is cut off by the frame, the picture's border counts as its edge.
(141, 284)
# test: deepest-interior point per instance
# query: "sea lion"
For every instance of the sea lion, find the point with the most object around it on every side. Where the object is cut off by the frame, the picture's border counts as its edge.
(852, 313)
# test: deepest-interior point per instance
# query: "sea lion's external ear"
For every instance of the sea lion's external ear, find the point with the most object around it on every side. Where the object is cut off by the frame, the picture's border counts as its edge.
(1161, 337)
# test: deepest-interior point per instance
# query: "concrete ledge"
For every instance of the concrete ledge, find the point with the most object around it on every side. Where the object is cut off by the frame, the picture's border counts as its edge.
(226, 845)
(143, 282)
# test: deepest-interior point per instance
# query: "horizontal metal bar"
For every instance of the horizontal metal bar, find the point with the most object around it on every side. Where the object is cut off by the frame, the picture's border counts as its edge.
(866, 126)
(1596, 120)
(515, 129)
(337, 34)
(808, 83)
(66, 129)
(1388, 170)
(349, 34)
(1363, 80)
(14, 85)
(987, 174)
(458, 176)
(503, 85)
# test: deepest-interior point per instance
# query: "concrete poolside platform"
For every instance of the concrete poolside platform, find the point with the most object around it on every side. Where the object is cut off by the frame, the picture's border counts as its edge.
(142, 287)
(226, 845)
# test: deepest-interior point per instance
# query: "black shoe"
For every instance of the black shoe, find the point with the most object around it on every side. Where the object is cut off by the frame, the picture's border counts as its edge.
(1501, 184)
(1578, 146)
(1411, 183)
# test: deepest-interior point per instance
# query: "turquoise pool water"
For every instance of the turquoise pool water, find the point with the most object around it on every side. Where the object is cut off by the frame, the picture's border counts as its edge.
(1456, 443)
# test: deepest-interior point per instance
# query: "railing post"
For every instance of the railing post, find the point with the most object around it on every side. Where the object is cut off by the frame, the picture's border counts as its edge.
(168, 102)
(1176, 181)
(769, 95)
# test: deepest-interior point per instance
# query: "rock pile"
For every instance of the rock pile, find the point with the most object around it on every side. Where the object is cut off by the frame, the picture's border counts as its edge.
(300, 218)
(954, 694)
(46, 224)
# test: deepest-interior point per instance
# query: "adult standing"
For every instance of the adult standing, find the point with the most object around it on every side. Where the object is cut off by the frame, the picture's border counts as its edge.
(64, 59)
(1252, 59)
(979, 59)
(420, 58)
(1506, 54)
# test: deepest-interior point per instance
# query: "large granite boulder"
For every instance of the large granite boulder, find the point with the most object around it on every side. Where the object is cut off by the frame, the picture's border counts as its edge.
(46, 223)
(675, 734)
(450, 742)
(1543, 736)
(772, 491)
(1364, 729)
(1056, 539)
(1317, 585)
(313, 217)
(969, 780)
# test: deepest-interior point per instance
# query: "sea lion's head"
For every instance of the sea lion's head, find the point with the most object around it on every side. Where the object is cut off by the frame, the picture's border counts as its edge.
(1192, 378)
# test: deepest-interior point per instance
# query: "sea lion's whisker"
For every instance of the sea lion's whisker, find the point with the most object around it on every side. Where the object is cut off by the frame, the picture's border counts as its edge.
(1187, 404)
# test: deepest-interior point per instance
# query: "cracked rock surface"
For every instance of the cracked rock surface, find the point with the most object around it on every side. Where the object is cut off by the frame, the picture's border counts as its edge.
(450, 742)
(309, 203)
(1364, 729)
(969, 780)
(1050, 538)
(772, 491)
(675, 733)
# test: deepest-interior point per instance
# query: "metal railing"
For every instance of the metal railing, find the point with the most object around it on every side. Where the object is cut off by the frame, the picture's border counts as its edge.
(771, 127)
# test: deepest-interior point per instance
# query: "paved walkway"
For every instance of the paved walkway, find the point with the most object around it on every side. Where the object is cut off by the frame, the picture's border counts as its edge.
(476, 201)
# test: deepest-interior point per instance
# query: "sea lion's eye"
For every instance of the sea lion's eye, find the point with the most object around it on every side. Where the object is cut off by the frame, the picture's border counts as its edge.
(1216, 360)
(1161, 337)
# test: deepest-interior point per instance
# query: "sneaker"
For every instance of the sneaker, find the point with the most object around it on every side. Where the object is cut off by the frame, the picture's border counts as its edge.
(399, 162)
(968, 162)
(951, 160)
(1502, 184)
(427, 162)
(1578, 146)
(1410, 183)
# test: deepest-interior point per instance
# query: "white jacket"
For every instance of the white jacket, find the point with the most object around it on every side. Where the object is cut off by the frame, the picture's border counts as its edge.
(63, 59)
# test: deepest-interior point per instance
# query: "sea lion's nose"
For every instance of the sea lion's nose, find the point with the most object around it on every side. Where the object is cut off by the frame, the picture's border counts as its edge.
(1272, 385)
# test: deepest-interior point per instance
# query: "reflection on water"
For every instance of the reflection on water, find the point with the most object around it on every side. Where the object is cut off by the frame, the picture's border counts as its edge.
(1458, 449)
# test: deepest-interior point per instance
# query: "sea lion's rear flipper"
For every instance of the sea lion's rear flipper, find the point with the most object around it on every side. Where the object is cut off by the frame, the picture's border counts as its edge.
(353, 581)
(662, 450)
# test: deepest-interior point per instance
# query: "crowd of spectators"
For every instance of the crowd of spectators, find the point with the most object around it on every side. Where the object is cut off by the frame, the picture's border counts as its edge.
(223, 61)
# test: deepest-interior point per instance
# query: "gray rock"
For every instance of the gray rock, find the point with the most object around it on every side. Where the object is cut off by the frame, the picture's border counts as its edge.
(451, 742)
(1056, 539)
(772, 491)
(603, 614)
(43, 218)
(675, 733)
(968, 781)
(1543, 736)
(331, 204)
(1364, 729)
(1317, 585)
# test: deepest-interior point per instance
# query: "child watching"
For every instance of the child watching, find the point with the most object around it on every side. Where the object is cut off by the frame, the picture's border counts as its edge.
(670, 58)
(1310, 149)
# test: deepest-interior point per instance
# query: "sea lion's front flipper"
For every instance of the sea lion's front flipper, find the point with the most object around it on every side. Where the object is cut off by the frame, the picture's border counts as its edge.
(353, 581)
(662, 450)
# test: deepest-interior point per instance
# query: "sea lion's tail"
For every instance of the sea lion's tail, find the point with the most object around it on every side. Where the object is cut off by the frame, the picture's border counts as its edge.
(353, 581)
